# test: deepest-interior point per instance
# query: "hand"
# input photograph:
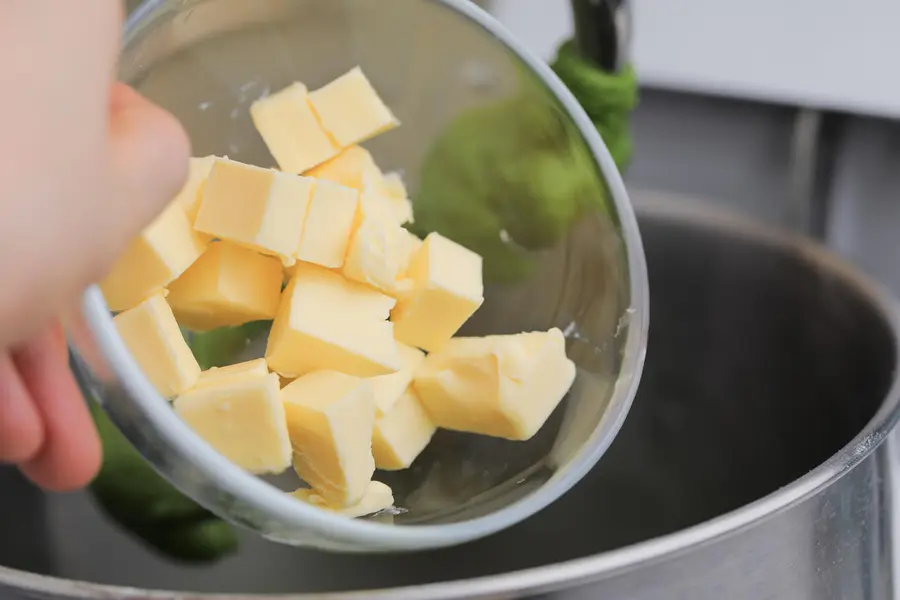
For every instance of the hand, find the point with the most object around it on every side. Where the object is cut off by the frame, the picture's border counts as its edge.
(85, 164)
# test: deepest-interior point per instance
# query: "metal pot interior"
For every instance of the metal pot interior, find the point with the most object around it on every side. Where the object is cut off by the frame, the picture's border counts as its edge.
(762, 365)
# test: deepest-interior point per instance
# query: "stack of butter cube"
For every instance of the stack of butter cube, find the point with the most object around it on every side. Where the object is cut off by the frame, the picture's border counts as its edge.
(361, 364)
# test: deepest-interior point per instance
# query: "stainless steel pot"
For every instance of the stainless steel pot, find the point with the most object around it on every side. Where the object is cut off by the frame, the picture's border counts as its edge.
(752, 467)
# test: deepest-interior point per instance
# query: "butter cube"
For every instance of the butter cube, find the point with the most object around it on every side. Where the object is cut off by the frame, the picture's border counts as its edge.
(327, 322)
(500, 385)
(378, 497)
(162, 252)
(446, 290)
(261, 209)
(350, 109)
(402, 433)
(354, 167)
(387, 389)
(251, 369)
(189, 196)
(410, 244)
(288, 125)
(228, 285)
(378, 247)
(393, 188)
(402, 209)
(154, 339)
(330, 418)
(329, 223)
(243, 419)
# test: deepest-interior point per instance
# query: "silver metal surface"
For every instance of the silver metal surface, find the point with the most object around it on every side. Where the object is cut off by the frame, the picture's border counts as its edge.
(736, 154)
(806, 138)
(434, 62)
(865, 208)
(753, 465)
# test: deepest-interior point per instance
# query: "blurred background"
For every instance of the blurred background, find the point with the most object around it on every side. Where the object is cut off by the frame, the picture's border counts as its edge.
(785, 111)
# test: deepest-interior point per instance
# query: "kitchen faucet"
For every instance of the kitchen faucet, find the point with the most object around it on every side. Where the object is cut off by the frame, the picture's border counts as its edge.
(603, 31)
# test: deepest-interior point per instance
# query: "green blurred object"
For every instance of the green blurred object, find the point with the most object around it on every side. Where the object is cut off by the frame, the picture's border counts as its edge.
(510, 178)
(216, 348)
(504, 180)
(607, 98)
(143, 503)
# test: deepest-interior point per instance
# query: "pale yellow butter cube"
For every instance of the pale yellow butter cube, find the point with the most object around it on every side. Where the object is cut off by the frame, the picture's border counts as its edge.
(446, 289)
(410, 244)
(330, 418)
(351, 110)
(502, 385)
(393, 188)
(327, 322)
(378, 247)
(378, 497)
(329, 224)
(261, 209)
(229, 285)
(243, 419)
(388, 388)
(402, 210)
(251, 369)
(154, 339)
(162, 252)
(354, 167)
(189, 196)
(288, 125)
(402, 433)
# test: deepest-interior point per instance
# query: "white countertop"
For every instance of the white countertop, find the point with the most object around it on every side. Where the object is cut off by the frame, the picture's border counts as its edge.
(836, 54)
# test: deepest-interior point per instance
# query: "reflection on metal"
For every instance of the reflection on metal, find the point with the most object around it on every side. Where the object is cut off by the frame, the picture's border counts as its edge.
(814, 140)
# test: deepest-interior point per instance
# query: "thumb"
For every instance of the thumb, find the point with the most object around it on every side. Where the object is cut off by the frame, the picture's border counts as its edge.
(149, 156)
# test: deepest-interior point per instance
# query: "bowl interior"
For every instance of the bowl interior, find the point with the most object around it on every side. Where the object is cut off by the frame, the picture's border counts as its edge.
(466, 102)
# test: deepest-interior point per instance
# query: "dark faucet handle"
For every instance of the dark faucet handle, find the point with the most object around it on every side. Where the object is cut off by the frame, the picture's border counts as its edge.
(603, 32)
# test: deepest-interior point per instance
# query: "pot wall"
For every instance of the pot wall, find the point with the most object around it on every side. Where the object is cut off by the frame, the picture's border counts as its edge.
(765, 361)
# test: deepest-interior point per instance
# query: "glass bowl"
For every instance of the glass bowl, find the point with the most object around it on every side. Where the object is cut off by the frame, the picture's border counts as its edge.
(496, 154)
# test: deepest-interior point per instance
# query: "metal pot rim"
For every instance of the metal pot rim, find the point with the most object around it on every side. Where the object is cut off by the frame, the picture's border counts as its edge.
(585, 570)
